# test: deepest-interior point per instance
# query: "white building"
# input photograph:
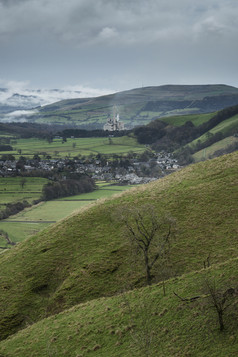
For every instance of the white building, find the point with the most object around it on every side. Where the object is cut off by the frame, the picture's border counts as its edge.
(114, 123)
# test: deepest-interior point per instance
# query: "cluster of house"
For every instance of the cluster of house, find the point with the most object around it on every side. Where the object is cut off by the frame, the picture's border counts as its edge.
(136, 172)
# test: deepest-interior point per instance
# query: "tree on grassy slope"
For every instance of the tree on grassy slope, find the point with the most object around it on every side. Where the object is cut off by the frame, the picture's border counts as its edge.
(149, 234)
(221, 299)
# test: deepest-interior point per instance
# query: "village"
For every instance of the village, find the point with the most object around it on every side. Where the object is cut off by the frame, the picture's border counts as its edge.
(130, 169)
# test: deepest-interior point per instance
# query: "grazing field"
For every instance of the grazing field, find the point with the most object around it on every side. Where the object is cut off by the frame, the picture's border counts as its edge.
(42, 215)
(18, 232)
(15, 189)
(226, 127)
(219, 145)
(196, 119)
(74, 147)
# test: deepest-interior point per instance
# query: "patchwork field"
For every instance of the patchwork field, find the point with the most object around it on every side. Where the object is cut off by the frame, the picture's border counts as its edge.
(18, 189)
(42, 215)
(74, 147)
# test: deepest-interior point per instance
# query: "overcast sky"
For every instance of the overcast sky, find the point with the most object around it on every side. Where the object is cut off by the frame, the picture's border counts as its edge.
(112, 45)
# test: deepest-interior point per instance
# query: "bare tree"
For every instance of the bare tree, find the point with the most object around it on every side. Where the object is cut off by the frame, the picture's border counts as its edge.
(220, 300)
(223, 299)
(149, 233)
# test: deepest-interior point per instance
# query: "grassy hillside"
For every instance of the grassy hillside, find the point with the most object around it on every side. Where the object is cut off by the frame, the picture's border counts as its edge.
(140, 105)
(220, 145)
(87, 256)
(187, 135)
(141, 323)
(196, 119)
(226, 127)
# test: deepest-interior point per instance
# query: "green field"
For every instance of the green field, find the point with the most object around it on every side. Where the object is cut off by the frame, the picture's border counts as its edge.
(42, 215)
(11, 189)
(196, 119)
(209, 151)
(75, 147)
(226, 127)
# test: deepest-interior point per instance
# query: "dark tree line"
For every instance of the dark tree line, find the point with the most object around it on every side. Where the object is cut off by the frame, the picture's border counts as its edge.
(217, 119)
(150, 133)
(13, 208)
(169, 138)
(28, 130)
(6, 148)
(51, 190)
(68, 187)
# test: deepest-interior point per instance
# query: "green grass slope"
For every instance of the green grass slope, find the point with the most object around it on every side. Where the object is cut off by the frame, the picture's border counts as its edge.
(196, 119)
(211, 150)
(142, 322)
(226, 127)
(87, 255)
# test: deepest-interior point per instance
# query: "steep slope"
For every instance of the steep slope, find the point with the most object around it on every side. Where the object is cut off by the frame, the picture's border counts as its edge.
(87, 255)
(221, 147)
(139, 106)
(143, 322)
(187, 134)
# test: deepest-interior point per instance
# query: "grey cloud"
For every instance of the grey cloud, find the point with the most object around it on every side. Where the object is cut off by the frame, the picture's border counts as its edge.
(11, 2)
(134, 21)
(118, 43)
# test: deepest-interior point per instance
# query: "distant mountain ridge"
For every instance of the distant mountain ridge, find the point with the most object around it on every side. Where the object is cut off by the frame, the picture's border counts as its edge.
(136, 106)
(141, 105)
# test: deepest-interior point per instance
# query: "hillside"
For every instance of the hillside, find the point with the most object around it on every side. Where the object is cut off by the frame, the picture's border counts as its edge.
(186, 135)
(139, 106)
(87, 256)
(142, 322)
